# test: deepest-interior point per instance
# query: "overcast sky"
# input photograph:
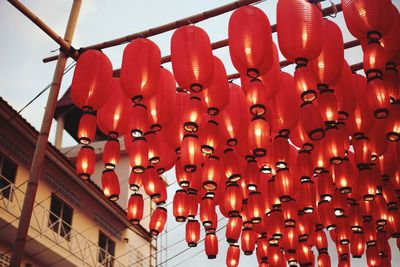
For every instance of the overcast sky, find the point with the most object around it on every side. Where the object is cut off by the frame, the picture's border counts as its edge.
(23, 75)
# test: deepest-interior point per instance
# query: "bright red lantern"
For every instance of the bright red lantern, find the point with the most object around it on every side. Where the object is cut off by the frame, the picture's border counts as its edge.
(110, 184)
(335, 142)
(320, 240)
(190, 152)
(393, 124)
(324, 260)
(258, 136)
(325, 185)
(216, 96)
(344, 176)
(157, 221)
(111, 153)
(235, 117)
(207, 211)
(326, 214)
(153, 143)
(374, 60)
(232, 199)
(284, 184)
(256, 207)
(327, 105)
(362, 151)
(367, 182)
(210, 137)
(275, 223)
(212, 173)
(135, 180)
(179, 206)
(211, 245)
(192, 233)
(191, 58)
(357, 244)
(139, 121)
(311, 120)
(251, 174)
(305, 82)
(91, 81)
(378, 98)
(135, 208)
(85, 162)
(373, 256)
(280, 151)
(183, 178)
(138, 154)
(304, 254)
(233, 256)
(140, 69)
(152, 183)
(344, 91)
(299, 29)
(328, 65)
(160, 104)
(250, 41)
(248, 241)
(192, 114)
(308, 195)
(233, 229)
(343, 229)
(87, 128)
(231, 165)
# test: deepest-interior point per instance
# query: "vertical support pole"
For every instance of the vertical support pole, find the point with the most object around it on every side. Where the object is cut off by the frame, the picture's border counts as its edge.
(59, 132)
(41, 146)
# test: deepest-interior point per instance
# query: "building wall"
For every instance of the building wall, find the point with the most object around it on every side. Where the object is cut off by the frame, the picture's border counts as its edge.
(44, 246)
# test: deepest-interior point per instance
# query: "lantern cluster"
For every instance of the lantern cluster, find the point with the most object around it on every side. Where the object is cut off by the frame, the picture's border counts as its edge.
(287, 159)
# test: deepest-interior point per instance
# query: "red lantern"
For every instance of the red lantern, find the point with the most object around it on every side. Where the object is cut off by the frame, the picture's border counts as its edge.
(233, 229)
(283, 113)
(357, 244)
(256, 207)
(328, 65)
(362, 152)
(179, 205)
(160, 104)
(231, 165)
(373, 257)
(152, 183)
(235, 117)
(248, 241)
(190, 152)
(320, 239)
(139, 120)
(304, 254)
(305, 82)
(326, 214)
(90, 85)
(250, 41)
(233, 256)
(344, 91)
(232, 199)
(343, 229)
(138, 154)
(367, 18)
(311, 121)
(299, 29)
(211, 245)
(191, 58)
(216, 96)
(207, 211)
(135, 208)
(251, 174)
(367, 188)
(85, 162)
(183, 178)
(192, 114)
(111, 153)
(110, 185)
(327, 105)
(325, 185)
(87, 128)
(140, 69)
(275, 256)
(192, 233)
(281, 151)
(212, 172)
(374, 59)
(308, 195)
(275, 222)
(210, 137)
(135, 180)
(258, 136)
(393, 124)
(157, 221)
(324, 259)
(192, 204)
(378, 98)
(284, 184)
(392, 80)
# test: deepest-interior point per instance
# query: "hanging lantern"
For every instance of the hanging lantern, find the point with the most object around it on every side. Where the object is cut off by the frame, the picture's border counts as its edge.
(324, 260)
(179, 205)
(235, 116)
(232, 199)
(320, 240)
(258, 136)
(216, 96)
(167, 155)
(367, 18)
(393, 124)
(284, 184)
(362, 152)
(251, 174)
(328, 65)
(210, 137)
(233, 229)
(152, 184)
(140, 69)
(85, 162)
(304, 254)
(212, 173)
(378, 98)
(192, 233)
(190, 152)
(299, 29)
(256, 207)
(111, 153)
(135, 180)
(325, 185)
(342, 229)
(233, 255)
(344, 92)
(139, 120)
(191, 58)
(211, 245)
(275, 222)
(280, 151)
(327, 105)
(135, 208)
(207, 211)
(160, 104)
(367, 188)
(154, 147)
(230, 161)
(248, 241)
(87, 127)
(256, 94)
(262, 248)
(157, 221)
(357, 244)
(192, 114)
(312, 121)
(250, 41)
(326, 214)
(110, 185)
(138, 154)
(183, 178)
(305, 82)
(374, 59)
(90, 85)
(373, 257)
(308, 193)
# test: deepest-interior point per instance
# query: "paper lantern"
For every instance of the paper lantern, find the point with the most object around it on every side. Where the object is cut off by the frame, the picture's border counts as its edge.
(135, 208)
(211, 245)
(192, 233)
(232, 199)
(85, 162)
(251, 174)
(311, 121)
(233, 255)
(157, 221)
(233, 229)
(140, 69)
(135, 180)
(192, 114)
(179, 206)
(87, 128)
(139, 121)
(138, 154)
(210, 138)
(378, 98)
(190, 152)
(111, 153)
(212, 173)
(110, 185)
(305, 82)
(258, 136)
(248, 241)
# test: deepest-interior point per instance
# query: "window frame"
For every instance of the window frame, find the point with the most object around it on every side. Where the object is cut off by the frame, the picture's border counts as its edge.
(58, 222)
(7, 181)
(106, 253)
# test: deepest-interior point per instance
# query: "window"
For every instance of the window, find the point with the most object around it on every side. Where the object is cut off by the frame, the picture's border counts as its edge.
(8, 171)
(106, 251)
(60, 217)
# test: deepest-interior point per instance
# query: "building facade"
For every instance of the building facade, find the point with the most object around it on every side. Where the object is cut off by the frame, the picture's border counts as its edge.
(72, 224)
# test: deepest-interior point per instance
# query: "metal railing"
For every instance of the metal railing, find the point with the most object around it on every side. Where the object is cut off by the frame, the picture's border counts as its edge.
(58, 232)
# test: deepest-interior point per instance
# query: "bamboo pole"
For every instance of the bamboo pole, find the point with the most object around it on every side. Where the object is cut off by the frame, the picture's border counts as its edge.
(41, 146)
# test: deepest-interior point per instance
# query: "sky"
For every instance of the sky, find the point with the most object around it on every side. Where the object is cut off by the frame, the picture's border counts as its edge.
(23, 75)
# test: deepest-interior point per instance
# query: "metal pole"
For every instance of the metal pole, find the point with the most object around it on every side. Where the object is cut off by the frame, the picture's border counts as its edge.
(41, 146)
